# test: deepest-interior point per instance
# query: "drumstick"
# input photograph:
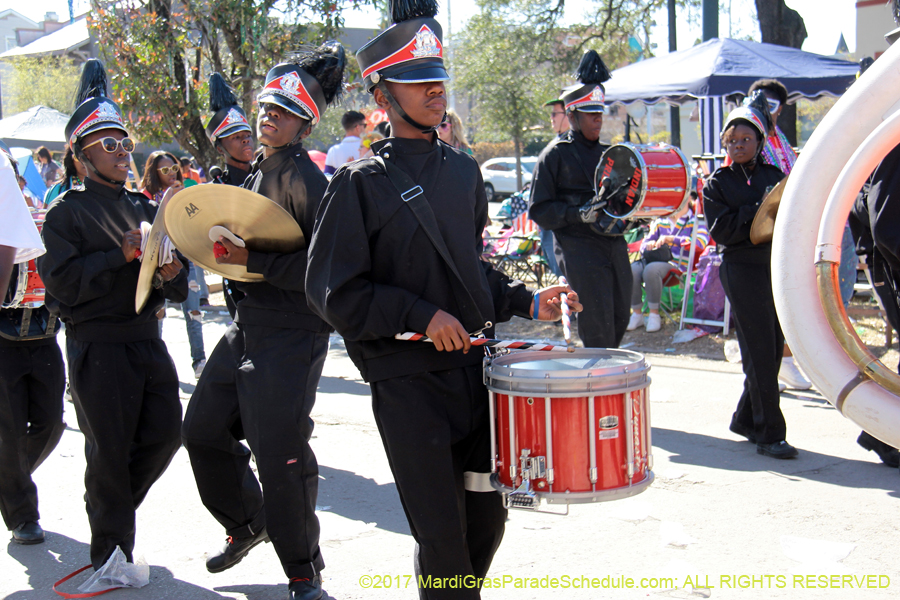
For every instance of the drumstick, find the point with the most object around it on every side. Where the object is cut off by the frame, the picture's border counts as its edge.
(566, 317)
(511, 344)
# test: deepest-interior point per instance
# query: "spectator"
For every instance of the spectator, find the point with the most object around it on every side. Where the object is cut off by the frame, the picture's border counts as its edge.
(558, 121)
(190, 175)
(354, 124)
(32, 200)
(160, 173)
(677, 236)
(452, 132)
(50, 170)
(73, 176)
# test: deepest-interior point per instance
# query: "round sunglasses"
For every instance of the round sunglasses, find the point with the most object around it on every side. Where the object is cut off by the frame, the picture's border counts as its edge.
(166, 170)
(111, 144)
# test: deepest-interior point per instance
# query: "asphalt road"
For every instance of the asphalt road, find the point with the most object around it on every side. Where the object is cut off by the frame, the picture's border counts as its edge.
(720, 521)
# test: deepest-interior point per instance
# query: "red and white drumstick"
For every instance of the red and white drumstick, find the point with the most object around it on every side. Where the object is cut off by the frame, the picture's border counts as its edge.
(511, 344)
(566, 317)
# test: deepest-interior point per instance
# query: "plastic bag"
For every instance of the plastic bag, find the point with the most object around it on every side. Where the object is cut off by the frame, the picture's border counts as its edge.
(688, 335)
(118, 573)
(709, 295)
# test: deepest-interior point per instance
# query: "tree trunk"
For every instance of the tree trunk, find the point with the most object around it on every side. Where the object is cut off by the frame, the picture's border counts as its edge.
(782, 26)
(517, 148)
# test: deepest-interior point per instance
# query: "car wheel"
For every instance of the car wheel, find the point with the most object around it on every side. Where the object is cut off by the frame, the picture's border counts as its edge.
(489, 192)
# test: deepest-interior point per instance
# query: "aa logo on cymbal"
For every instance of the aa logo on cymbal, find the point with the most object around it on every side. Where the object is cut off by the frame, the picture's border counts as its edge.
(191, 210)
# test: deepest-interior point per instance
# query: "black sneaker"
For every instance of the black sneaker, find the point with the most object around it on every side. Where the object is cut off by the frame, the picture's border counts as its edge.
(28, 533)
(777, 450)
(889, 455)
(305, 589)
(234, 551)
(739, 429)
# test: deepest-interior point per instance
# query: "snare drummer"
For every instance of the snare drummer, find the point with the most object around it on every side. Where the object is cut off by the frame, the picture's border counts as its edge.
(32, 377)
(590, 246)
(373, 272)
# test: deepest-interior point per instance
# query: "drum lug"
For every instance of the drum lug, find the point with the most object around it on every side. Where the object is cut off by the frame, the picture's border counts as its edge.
(594, 475)
(550, 476)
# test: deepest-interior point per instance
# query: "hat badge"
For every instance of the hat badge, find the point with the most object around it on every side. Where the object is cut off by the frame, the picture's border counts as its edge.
(290, 82)
(107, 111)
(426, 43)
(234, 116)
(597, 95)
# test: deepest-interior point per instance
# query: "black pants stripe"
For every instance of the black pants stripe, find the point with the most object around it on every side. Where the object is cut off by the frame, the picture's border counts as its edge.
(260, 384)
(435, 426)
(126, 400)
(599, 270)
(749, 289)
(32, 381)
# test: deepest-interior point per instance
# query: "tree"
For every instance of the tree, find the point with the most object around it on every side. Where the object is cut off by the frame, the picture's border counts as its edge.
(49, 81)
(783, 26)
(159, 54)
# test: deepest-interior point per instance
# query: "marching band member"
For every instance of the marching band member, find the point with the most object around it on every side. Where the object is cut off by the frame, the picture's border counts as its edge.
(32, 376)
(732, 196)
(375, 271)
(260, 381)
(122, 378)
(594, 255)
(229, 131)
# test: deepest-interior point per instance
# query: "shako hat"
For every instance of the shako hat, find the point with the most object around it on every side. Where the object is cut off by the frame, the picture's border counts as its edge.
(308, 82)
(94, 110)
(755, 113)
(228, 117)
(589, 95)
(409, 51)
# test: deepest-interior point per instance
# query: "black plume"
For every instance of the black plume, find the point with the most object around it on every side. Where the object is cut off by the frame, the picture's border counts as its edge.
(592, 69)
(760, 104)
(404, 10)
(220, 93)
(93, 82)
(326, 64)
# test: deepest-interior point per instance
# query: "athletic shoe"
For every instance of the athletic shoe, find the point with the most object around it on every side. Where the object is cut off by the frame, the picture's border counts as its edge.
(637, 320)
(234, 551)
(305, 589)
(889, 455)
(28, 533)
(654, 323)
(198, 370)
(777, 450)
(791, 375)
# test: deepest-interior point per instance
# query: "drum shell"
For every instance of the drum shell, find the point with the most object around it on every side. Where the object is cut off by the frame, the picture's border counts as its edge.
(26, 288)
(659, 185)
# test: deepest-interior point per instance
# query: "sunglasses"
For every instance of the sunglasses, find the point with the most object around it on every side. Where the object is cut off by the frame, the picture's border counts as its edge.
(773, 104)
(111, 144)
(445, 125)
(558, 114)
(167, 170)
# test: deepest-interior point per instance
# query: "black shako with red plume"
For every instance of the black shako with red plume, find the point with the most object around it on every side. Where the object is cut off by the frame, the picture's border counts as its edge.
(228, 117)
(589, 95)
(93, 109)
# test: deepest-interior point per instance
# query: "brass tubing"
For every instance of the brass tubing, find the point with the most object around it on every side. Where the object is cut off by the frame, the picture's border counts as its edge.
(868, 365)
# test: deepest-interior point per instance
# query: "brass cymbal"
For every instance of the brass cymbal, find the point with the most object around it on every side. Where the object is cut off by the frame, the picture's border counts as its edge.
(763, 227)
(150, 259)
(262, 224)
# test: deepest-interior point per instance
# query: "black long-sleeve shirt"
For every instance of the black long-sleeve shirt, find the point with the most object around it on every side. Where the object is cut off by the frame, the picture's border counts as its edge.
(85, 271)
(374, 273)
(731, 198)
(290, 179)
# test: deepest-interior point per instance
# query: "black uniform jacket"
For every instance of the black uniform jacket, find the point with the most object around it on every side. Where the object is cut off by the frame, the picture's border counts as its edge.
(84, 269)
(233, 176)
(563, 182)
(290, 179)
(374, 273)
(731, 203)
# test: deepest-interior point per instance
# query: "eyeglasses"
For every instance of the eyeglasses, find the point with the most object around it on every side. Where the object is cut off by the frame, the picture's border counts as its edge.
(167, 170)
(773, 104)
(445, 125)
(558, 114)
(111, 144)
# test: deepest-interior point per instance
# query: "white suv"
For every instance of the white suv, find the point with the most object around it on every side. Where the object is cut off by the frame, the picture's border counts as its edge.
(500, 175)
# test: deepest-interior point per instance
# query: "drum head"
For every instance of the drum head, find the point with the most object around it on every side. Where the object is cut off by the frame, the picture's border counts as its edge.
(628, 175)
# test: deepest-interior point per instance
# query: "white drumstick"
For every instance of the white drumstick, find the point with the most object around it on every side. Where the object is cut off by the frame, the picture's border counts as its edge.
(566, 317)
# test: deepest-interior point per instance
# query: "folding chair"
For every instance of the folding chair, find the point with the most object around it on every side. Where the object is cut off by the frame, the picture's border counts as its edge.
(518, 252)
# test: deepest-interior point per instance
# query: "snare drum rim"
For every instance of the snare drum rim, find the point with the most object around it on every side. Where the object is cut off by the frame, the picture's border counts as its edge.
(21, 287)
(641, 163)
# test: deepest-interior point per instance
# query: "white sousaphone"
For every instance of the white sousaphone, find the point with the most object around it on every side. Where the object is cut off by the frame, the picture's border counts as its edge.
(862, 127)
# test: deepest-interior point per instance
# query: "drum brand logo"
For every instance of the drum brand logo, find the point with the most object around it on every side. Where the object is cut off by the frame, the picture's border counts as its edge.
(609, 422)
(191, 210)
(635, 185)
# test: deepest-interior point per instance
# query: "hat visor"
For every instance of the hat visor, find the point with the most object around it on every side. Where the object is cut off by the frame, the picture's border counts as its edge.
(422, 75)
(291, 107)
(590, 108)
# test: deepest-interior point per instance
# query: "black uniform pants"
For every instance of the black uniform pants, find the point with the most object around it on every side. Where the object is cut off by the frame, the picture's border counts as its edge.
(32, 381)
(435, 427)
(260, 384)
(598, 269)
(749, 289)
(126, 400)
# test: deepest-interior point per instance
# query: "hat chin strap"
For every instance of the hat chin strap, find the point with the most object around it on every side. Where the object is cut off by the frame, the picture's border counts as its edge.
(382, 85)
(229, 156)
(79, 154)
(289, 144)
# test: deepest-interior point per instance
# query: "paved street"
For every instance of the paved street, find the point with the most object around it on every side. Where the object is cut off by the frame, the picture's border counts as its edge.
(746, 525)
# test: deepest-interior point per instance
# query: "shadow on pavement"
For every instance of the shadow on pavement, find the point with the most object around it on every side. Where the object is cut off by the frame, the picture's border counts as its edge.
(362, 499)
(339, 385)
(732, 455)
(263, 592)
(59, 555)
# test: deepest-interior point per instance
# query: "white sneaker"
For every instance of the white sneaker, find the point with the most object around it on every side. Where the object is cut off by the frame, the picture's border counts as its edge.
(198, 370)
(637, 320)
(781, 386)
(791, 375)
(654, 323)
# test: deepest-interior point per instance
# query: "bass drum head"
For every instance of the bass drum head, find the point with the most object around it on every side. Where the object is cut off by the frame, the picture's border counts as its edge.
(625, 167)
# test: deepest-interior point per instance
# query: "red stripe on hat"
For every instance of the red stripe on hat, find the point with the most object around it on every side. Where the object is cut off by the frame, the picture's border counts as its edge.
(301, 96)
(589, 97)
(226, 122)
(405, 54)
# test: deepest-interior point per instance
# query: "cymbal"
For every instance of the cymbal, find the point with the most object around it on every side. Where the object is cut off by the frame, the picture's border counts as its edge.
(763, 227)
(150, 259)
(262, 224)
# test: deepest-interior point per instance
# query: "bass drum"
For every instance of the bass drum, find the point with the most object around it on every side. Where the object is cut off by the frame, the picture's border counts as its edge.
(646, 181)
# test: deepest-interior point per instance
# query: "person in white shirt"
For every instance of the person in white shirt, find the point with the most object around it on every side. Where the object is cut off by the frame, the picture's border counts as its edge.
(354, 124)
(19, 238)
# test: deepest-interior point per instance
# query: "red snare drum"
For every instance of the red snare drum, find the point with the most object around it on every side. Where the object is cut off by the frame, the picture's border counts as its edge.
(26, 288)
(646, 181)
(569, 428)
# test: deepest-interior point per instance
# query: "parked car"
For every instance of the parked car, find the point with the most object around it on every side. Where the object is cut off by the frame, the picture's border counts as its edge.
(500, 175)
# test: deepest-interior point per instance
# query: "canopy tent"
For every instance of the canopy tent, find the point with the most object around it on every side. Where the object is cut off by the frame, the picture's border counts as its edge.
(722, 67)
(37, 126)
